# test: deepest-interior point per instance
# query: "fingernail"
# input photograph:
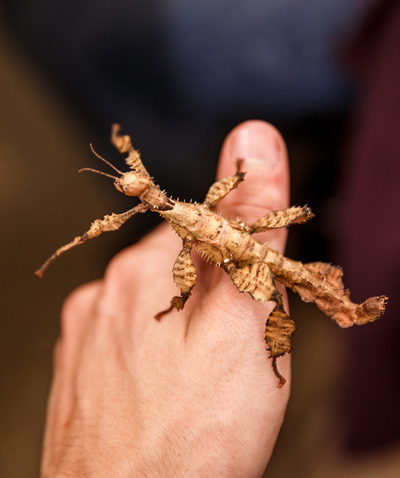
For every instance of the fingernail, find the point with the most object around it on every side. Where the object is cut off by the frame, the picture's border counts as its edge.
(256, 144)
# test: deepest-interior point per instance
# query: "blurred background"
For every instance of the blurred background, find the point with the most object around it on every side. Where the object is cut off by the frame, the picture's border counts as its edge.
(178, 75)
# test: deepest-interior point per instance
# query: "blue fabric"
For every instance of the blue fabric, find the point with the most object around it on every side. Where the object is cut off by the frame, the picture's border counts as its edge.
(279, 54)
(206, 56)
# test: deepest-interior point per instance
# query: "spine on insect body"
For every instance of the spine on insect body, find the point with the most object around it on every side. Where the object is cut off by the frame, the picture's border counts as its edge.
(156, 199)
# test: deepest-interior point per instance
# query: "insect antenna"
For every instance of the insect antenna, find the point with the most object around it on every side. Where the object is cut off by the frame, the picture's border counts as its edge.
(98, 172)
(94, 152)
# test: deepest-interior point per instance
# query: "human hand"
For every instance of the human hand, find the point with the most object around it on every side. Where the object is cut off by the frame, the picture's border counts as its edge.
(193, 394)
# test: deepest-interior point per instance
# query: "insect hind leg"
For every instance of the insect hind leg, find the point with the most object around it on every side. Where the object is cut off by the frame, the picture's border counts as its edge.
(278, 333)
(258, 280)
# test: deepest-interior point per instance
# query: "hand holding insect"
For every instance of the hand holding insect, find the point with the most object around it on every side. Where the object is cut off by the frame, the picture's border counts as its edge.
(192, 394)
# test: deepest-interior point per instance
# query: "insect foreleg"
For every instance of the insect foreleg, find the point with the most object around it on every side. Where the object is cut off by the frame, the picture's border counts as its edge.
(124, 145)
(286, 217)
(109, 223)
(185, 276)
(223, 187)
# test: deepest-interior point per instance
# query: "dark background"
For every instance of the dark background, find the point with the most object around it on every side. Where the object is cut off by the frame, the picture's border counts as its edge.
(178, 79)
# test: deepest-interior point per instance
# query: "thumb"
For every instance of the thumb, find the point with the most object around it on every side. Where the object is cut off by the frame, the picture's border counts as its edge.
(265, 189)
(266, 184)
(229, 328)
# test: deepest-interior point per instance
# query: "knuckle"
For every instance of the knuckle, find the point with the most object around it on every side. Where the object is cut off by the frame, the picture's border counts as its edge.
(126, 263)
(119, 262)
(76, 305)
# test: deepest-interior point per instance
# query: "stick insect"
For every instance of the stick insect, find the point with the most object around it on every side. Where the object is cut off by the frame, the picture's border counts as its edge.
(252, 266)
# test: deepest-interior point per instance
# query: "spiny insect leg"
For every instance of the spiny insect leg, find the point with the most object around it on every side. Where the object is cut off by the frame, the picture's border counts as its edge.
(185, 276)
(223, 187)
(286, 217)
(109, 223)
(258, 280)
(124, 145)
(278, 333)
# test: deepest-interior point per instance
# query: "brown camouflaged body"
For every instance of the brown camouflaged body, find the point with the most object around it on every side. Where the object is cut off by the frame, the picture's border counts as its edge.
(253, 266)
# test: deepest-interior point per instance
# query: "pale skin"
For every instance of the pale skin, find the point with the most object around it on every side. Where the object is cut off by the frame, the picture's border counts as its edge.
(193, 394)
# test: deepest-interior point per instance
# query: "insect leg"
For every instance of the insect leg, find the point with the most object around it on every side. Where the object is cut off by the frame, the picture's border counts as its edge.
(185, 276)
(223, 187)
(278, 333)
(124, 145)
(258, 280)
(109, 223)
(286, 217)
